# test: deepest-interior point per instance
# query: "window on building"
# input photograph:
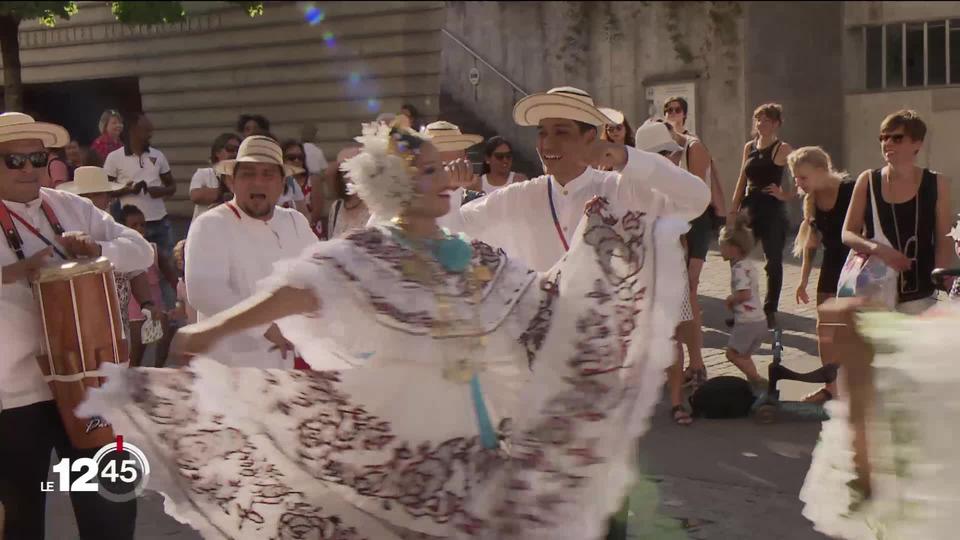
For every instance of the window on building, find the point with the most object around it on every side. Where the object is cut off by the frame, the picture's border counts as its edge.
(912, 54)
(894, 55)
(874, 52)
(937, 52)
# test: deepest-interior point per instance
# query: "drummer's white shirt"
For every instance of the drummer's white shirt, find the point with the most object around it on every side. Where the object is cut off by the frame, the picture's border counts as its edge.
(21, 382)
(227, 253)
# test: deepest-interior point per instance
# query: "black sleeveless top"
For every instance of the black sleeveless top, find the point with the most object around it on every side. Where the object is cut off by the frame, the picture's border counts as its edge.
(909, 220)
(760, 168)
(829, 224)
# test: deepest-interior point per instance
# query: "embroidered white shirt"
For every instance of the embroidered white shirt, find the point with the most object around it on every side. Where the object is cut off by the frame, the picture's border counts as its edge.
(21, 382)
(227, 253)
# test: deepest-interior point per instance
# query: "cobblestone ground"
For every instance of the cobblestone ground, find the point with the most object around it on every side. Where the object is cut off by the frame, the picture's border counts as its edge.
(717, 479)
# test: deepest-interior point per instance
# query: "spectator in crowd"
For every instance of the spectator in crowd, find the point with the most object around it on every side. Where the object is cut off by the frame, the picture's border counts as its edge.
(317, 191)
(145, 175)
(90, 158)
(826, 197)
(675, 113)
(912, 205)
(183, 313)
(759, 192)
(74, 154)
(349, 211)
(110, 128)
(498, 166)
(413, 116)
(58, 171)
(294, 195)
(252, 124)
(621, 132)
(749, 326)
(207, 189)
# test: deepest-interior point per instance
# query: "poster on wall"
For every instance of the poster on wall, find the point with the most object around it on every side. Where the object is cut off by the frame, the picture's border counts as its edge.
(657, 93)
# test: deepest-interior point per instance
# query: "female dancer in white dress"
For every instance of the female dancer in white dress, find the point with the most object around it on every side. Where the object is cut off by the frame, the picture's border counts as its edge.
(482, 400)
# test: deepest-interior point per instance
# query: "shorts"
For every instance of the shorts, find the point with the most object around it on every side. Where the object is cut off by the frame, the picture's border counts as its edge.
(699, 236)
(747, 336)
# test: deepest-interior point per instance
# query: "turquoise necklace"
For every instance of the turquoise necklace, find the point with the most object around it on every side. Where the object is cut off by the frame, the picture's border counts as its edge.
(453, 252)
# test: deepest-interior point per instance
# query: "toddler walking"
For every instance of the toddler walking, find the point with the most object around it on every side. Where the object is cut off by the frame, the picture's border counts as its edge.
(749, 321)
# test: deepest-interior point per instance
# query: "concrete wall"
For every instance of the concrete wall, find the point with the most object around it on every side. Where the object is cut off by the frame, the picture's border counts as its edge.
(614, 50)
(196, 77)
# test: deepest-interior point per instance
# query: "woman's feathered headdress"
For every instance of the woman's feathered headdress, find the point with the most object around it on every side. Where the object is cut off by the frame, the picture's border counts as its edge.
(382, 173)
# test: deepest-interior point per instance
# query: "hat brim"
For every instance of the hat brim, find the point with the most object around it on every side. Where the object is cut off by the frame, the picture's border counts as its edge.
(51, 135)
(77, 189)
(452, 143)
(613, 114)
(530, 110)
(226, 166)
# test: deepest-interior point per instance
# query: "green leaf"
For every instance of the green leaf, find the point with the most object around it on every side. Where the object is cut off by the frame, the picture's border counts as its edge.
(46, 12)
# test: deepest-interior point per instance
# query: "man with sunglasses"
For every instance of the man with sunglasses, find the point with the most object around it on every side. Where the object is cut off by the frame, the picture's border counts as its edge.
(43, 226)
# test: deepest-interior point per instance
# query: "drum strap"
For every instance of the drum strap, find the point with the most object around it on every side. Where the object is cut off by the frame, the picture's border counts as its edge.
(12, 235)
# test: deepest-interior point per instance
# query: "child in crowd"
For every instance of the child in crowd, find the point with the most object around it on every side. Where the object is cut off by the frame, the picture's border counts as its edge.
(750, 322)
(183, 313)
(149, 313)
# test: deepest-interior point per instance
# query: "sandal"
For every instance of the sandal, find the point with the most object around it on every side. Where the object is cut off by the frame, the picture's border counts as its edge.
(680, 416)
(819, 397)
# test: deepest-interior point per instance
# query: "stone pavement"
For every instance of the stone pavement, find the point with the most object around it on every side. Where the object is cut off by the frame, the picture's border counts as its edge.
(717, 479)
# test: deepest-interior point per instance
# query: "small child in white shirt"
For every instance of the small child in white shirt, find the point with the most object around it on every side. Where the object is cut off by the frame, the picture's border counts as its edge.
(750, 324)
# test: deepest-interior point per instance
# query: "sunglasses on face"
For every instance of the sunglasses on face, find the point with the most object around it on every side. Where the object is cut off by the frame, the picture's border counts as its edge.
(893, 137)
(19, 161)
(673, 110)
(293, 157)
(503, 155)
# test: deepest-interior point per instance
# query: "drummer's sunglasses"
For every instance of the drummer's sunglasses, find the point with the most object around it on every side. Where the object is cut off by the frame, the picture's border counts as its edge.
(19, 161)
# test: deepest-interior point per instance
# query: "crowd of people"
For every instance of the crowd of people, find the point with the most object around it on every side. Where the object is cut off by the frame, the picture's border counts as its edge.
(546, 328)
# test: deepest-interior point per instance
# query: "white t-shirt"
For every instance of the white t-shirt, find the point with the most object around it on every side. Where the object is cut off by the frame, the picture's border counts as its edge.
(292, 194)
(133, 168)
(744, 277)
(489, 188)
(203, 178)
(314, 158)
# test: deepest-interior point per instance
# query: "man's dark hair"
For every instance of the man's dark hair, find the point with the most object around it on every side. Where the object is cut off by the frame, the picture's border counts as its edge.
(261, 121)
(128, 211)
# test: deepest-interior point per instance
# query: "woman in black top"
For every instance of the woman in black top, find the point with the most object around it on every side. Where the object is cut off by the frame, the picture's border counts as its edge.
(759, 192)
(913, 206)
(826, 196)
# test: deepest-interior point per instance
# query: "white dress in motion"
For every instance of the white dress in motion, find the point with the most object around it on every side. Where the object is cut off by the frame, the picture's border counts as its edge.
(912, 437)
(390, 437)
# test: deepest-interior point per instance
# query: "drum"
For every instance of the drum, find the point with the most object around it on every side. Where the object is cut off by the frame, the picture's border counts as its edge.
(80, 313)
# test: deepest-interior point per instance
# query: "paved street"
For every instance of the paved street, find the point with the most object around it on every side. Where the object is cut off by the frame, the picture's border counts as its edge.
(717, 480)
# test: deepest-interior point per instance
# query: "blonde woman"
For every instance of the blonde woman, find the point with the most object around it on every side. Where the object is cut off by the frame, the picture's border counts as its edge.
(826, 197)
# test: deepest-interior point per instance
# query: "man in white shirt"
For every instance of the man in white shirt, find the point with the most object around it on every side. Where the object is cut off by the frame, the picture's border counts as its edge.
(233, 246)
(145, 175)
(541, 215)
(30, 425)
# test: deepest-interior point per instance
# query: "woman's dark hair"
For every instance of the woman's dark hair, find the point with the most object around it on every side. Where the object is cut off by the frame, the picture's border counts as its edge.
(261, 121)
(283, 148)
(490, 147)
(127, 211)
(220, 143)
(414, 116)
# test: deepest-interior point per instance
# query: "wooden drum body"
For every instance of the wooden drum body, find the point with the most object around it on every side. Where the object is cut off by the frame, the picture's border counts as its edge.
(82, 330)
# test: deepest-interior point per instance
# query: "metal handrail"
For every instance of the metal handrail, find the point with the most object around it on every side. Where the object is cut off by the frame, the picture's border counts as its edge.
(484, 62)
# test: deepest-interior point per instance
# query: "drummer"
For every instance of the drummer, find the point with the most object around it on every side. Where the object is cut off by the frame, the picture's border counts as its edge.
(33, 219)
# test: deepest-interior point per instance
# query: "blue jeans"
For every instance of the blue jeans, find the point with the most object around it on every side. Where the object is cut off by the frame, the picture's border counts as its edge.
(160, 233)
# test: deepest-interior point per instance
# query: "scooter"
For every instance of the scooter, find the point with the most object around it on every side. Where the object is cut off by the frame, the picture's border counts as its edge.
(768, 408)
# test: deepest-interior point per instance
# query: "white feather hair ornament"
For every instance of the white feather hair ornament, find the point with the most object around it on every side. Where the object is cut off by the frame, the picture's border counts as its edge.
(382, 173)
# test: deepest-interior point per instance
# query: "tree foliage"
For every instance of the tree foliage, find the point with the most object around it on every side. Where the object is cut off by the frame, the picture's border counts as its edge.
(46, 12)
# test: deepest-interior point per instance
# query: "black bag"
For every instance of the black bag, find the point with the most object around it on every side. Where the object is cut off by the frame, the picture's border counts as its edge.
(723, 397)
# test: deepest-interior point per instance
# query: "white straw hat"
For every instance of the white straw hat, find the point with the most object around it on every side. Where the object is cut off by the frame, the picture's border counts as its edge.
(15, 126)
(613, 114)
(448, 138)
(564, 102)
(655, 137)
(87, 180)
(257, 149)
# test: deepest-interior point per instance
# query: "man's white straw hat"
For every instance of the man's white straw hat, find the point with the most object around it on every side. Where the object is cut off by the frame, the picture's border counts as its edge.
(446, 137)
(654, 136)
(16, 126)
(87, 180)
(257, 149)
(563, 102)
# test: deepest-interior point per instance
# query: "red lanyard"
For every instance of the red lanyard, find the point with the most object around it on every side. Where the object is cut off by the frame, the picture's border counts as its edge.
(13, 236)
(556, 220)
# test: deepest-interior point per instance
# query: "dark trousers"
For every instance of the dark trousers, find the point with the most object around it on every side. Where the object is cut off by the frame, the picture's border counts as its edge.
(27, 435)
(769, 224)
